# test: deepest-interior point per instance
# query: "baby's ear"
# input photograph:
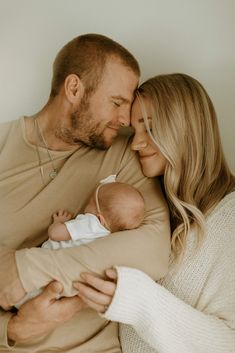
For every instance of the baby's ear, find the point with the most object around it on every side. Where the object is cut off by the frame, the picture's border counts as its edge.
(101, 219)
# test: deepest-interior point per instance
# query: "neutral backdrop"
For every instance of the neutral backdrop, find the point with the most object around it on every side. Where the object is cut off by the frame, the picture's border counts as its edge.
(196, 37)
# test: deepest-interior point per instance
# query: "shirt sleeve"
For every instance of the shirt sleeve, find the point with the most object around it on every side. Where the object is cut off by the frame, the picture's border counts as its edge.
(165, 322)
(4, 319)
(146, 248)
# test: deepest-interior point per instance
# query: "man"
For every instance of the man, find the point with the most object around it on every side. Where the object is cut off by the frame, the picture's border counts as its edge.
(53, 161)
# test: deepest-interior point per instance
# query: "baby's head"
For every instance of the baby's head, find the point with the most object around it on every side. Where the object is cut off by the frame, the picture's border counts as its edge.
(119, 206)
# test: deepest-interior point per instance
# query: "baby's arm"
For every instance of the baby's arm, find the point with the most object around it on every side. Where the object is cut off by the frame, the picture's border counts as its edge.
(58, 231)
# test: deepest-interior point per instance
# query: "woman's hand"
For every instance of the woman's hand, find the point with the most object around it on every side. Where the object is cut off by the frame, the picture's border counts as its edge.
(96, 292)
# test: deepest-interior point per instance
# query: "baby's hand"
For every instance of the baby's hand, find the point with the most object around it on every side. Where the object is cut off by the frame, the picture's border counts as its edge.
(61, 216)
(58, 231)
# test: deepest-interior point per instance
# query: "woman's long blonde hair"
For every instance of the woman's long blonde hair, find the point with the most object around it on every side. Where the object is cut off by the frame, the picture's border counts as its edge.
(185, 129)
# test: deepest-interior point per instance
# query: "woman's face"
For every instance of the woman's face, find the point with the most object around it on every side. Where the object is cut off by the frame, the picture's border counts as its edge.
(152, 161)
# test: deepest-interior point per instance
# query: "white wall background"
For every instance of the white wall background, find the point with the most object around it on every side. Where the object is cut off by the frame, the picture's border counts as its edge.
(191, 36)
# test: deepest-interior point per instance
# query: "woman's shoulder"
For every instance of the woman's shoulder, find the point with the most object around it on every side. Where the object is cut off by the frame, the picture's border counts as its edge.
(222, 218)
(227, 204)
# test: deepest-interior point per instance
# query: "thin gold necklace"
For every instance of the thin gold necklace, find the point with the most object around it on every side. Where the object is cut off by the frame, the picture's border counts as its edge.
(54, 171)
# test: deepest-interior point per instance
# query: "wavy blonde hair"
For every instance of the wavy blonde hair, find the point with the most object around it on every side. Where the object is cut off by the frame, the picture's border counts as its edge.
(185, 129)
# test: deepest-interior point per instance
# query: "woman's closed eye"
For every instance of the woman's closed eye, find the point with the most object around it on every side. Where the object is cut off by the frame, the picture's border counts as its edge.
(149, 130)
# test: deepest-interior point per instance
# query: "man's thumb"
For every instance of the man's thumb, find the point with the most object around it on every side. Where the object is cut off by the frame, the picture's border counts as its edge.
(52, 291)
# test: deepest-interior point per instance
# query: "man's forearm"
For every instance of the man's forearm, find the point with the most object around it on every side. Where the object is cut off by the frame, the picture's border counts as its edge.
(146, 248)
(142, 249)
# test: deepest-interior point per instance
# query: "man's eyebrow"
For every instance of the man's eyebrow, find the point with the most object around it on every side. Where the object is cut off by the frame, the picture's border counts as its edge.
(121, 98)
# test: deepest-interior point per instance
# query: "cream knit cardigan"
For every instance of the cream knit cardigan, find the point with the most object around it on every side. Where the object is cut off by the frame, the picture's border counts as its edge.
(192, 310)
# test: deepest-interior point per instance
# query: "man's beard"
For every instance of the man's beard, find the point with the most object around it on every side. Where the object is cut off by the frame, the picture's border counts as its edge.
(83, 129)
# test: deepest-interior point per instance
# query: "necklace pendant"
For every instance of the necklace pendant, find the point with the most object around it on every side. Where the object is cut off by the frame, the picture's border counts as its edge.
(53, 174)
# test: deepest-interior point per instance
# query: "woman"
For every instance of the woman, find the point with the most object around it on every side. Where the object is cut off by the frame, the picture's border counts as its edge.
(191, 310)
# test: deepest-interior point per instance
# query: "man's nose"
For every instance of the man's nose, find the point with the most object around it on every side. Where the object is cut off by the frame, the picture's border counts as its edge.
(124, 117)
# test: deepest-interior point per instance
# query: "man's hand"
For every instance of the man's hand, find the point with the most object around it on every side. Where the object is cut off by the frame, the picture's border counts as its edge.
(41, 315)
(11, 289)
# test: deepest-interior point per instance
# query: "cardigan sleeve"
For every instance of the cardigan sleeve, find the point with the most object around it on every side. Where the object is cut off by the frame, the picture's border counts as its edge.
(165, 322)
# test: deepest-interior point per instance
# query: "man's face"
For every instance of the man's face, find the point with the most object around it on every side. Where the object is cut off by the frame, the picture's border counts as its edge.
(99, 117)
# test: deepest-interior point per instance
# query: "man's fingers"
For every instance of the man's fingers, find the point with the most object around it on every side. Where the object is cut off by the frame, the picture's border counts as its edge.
(4, 304)
(93, 295)
(52, 291)
(72, 304)
(54, 288)
(106, 287)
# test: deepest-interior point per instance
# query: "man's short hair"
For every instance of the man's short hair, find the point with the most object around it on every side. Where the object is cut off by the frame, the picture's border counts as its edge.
(86, 56)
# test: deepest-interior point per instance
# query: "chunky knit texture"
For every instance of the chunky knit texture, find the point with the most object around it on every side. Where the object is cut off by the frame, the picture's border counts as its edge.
(192, 310)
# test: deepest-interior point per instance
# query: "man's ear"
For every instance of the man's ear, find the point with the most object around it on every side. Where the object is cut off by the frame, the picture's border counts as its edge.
(74, 88)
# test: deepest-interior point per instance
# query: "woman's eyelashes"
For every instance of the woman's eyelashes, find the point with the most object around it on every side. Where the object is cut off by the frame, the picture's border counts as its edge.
(117, 104)
(149, 130)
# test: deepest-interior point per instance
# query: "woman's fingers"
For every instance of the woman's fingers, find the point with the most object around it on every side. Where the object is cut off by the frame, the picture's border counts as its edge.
(96, 292)
(111, 273)
(104, 286)
(97, 307)
(92, 294)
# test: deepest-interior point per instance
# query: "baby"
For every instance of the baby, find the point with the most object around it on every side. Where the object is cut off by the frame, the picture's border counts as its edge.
(113, 207)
